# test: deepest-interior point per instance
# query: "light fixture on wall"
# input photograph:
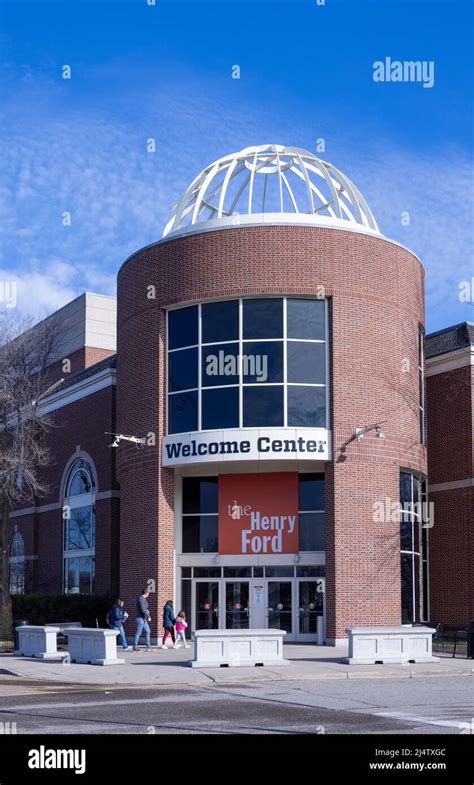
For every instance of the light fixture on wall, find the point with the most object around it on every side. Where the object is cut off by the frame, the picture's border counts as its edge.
(360, 432)
(120, 437)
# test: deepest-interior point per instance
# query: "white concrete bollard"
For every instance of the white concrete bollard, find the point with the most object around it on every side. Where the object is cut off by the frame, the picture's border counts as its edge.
(38, 642)
(93, 646)
(390, 645)
(234, 648)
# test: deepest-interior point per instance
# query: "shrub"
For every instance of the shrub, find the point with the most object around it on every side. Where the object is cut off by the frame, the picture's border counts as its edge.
(46, 608)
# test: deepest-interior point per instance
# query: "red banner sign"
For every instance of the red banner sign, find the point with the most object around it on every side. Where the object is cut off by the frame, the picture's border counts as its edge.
(258, 513)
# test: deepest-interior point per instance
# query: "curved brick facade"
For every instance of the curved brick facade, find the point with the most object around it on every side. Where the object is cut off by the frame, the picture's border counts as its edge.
(375, 289)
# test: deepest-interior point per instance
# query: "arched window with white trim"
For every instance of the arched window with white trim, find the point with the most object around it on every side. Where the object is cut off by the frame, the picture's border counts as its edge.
(79, 529)
(17, 564)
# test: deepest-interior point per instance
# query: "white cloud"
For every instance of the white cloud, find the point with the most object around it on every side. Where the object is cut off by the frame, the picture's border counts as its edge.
(119, 195)
(38, 294)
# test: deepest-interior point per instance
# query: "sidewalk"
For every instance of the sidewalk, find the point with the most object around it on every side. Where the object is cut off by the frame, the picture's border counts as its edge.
(170, 667)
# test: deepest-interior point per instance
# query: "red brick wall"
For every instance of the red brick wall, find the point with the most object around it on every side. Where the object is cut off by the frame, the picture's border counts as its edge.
(450, 408)
(376, 291)
(82, 424)
(450, 405)
(82, 358)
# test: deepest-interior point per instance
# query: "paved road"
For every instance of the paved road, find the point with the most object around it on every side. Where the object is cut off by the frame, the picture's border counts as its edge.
(394, 706)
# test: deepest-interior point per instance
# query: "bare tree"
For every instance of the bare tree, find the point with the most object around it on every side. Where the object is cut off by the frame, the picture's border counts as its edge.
(26, 354)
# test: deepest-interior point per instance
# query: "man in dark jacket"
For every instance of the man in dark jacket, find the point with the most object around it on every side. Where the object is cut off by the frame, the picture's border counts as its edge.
(116, 618)
(143, 620)
(168, 623)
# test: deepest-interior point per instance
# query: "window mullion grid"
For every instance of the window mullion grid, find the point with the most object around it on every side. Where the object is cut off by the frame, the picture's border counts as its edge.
(167, 372)
(413, 521)
(326, 359)
(285, 363)
(241, 378)
(199, 387)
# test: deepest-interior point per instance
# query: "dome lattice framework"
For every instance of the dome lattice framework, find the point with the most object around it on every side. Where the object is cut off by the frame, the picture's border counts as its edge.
(271, 180)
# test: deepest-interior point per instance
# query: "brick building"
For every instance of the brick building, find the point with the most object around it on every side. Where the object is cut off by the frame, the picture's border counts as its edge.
(270, 355)
(450, 396)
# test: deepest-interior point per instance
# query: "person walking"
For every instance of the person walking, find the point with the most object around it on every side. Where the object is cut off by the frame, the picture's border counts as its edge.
(116, 618)
(168, 623)
(181, 625)
(143, 620)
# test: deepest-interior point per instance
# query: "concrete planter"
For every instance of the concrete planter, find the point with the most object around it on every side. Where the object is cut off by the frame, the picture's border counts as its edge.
(93, 646)
(234, 648)
(39, 642)
(390, 645)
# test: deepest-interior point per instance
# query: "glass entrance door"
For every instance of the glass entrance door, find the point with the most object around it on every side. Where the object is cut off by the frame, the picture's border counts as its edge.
(291, 604)
(237, 607)
(207, 605)
(280, 606)
(310, 606)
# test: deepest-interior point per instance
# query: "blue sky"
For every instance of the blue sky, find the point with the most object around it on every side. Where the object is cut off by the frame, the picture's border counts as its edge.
(164, 71)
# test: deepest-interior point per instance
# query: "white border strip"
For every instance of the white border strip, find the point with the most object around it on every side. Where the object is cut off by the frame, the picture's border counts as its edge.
(57, 505)
(449, 361)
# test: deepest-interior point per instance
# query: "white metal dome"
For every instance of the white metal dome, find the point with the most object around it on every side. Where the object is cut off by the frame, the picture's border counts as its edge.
(270, 184)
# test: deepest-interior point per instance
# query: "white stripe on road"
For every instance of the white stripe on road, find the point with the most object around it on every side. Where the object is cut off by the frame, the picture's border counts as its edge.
(451, 723)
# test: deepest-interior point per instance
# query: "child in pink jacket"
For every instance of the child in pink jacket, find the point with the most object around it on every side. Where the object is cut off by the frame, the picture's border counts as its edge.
(181, 625)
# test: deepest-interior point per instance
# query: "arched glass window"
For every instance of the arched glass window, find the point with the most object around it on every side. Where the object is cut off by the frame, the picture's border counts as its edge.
(80, 479)
(79, 529)
(17, 564)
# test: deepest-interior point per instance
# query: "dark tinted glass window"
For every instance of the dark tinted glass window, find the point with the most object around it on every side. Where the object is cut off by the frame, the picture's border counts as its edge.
(416, 584)
(279, 572)
(220, 408)
(311, 492)
(405, 487)
(311, 572)
(263, 407)
(263, 318)
(200, 534)
(306, 319)
(425, 589)
(262, 361)
(307, 407)
(186, 604)
(416, 534)
(183, 327)
(406, 532)
(416, 491)
(407, 588)
(306, 363)
(311, 531)
(424, 536)
(183, 370)
(207, 572)
(200, 495)
(80, 528)
(237, 572)
(220, 321)
(183, 412)
(220, 365)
